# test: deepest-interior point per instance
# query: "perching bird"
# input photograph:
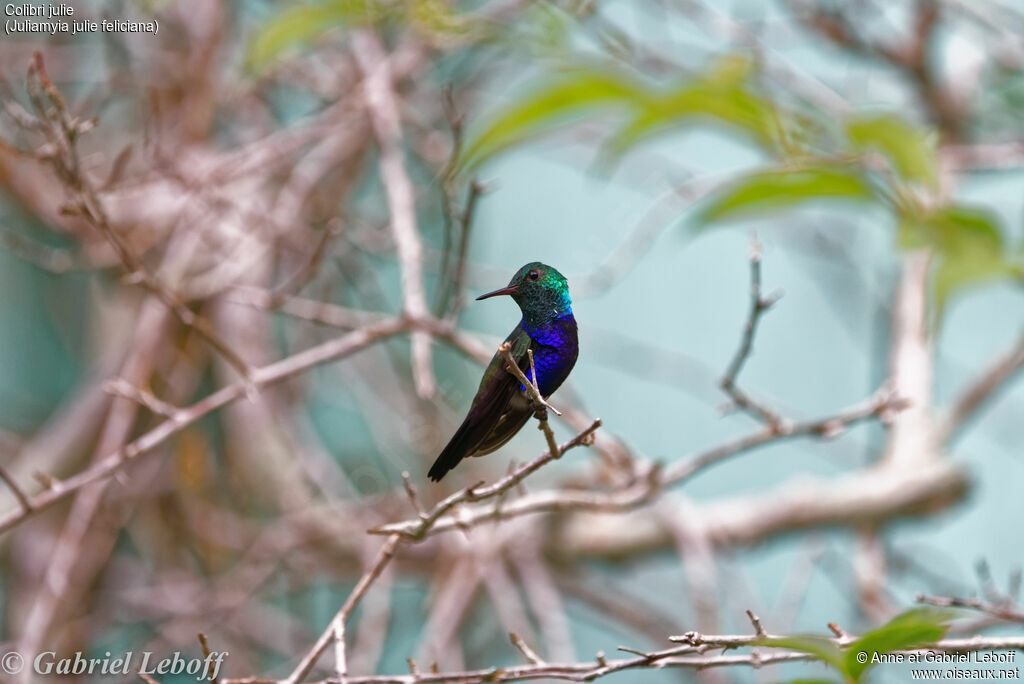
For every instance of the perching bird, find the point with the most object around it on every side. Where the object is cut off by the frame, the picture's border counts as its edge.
(501, 405)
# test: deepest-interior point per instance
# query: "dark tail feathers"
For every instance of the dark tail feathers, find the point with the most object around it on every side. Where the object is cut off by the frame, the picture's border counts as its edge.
(448, 459)
(454, 452)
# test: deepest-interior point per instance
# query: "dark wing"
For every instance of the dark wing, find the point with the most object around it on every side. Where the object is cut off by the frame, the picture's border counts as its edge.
(519, 410)
(512, 421)
(489, 423)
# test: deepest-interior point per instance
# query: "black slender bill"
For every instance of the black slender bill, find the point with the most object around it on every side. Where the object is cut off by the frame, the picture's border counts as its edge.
(503, 291)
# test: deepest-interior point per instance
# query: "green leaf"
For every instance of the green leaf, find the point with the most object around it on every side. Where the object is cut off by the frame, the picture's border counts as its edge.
(733, 106)
(302, 24)
(822, 648)
(911, 150)
(968, 248)
(773, 190)
(549, 107)
(913, 629)
(721, 95)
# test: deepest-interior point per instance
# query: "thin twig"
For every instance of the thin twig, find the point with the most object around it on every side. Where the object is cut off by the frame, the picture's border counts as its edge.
(878, 406)
(530, 385)
(207, 653)
(910, 54)
(26, 504)
(43, 256)
(301, 277)
(758, 306)
(542, 413)
(273, 373)
(650, 481)
(688, 654)
(410, 491)
(422, 527)
(466, 216)
(986, 386)
(340, 658)
(62, 131)
(1003, 611)
(122, 388)
(756, 621)
(448, 298)
(525, 649)
(262, 377)
(384, 556)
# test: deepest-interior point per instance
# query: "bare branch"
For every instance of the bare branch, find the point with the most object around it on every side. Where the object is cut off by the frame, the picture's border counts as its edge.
(26, 505)
(983, 157)
(871, 497)
(910, 55)
(301, 277)
(688, 654)
(1006, 610)
(262, 377)
(336, 629)
(986, 386)
(382, 105)
(122, 388)
(340, 658)
(527, 652)
(387, 551)
(62, 131)
(651, 479)
(449, 295)
(206, 654)
(758, 306)
(879, 406)
(436, 520)
(538, 401)
(410, 491)
(529, 383)
(41, 255)
(756, 621)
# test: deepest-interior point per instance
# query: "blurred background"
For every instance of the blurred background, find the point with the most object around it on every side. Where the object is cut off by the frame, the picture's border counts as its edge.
(189, 200)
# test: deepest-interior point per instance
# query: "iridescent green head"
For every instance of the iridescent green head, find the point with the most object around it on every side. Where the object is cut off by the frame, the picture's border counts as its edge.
(540, 291)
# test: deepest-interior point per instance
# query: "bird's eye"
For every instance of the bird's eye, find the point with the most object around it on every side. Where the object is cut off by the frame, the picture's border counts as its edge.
(533, 275)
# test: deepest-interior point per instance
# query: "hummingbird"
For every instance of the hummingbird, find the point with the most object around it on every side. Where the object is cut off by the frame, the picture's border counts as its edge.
(501, 405)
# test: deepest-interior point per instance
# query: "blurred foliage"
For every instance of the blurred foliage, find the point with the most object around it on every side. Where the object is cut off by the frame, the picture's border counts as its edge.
(879, 158)
(722, 94)
(301, 25)
(968, 248)
(916, 628)
(779, 189)
(910, 150)
(882, 158)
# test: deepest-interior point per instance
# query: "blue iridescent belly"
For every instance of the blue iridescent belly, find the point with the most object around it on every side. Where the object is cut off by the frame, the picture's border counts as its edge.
(555, 348)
